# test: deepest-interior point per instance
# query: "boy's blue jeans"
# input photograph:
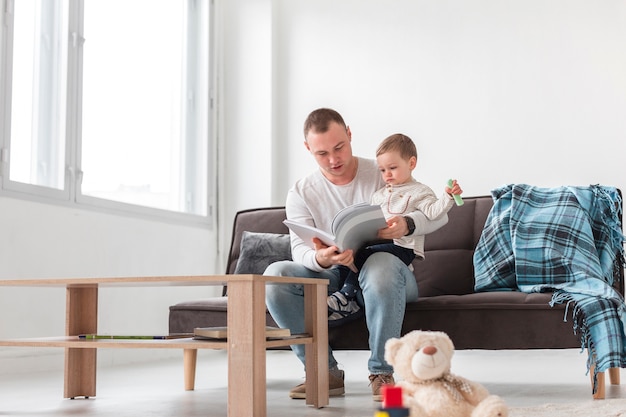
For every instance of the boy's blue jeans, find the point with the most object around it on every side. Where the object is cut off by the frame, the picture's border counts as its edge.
(387, 285)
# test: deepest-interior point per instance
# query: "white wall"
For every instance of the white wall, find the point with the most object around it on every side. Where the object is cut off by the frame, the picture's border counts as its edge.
(492, 92)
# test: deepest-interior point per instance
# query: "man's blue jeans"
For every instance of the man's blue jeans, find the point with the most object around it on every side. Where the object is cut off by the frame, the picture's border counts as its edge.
(387, 285)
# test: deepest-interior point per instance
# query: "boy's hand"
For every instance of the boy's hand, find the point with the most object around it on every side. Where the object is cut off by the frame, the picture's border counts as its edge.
(455, 189)
(396, 228)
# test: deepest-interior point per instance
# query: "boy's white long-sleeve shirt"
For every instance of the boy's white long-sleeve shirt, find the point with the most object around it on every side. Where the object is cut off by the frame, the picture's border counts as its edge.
(403, 199)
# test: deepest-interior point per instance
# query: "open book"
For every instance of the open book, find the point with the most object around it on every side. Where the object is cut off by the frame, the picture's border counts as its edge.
(352, 227)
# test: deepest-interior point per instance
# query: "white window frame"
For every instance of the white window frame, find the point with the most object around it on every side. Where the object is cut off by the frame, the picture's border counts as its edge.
(71, 194)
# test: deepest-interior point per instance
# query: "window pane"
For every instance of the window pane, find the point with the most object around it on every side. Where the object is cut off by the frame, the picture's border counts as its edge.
(136, 143)
(39, 91)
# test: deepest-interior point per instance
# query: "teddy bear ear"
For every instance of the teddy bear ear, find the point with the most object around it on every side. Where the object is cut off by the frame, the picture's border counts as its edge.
(391, 349)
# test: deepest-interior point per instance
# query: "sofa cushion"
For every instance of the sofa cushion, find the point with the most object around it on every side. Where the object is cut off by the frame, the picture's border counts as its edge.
(490, 320)
(260, 220)
(259, 250)
(445, 272)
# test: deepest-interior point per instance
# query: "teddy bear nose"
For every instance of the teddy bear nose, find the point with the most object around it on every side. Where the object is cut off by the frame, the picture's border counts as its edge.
(429, 350)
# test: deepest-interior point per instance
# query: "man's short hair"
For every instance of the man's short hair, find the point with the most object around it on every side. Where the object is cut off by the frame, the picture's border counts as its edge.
(319, 120)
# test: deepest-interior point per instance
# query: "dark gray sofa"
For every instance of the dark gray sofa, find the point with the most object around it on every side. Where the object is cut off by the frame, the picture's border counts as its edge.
(448, 303)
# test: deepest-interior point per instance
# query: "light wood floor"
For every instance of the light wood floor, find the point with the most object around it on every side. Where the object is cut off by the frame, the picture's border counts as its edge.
(522, 378)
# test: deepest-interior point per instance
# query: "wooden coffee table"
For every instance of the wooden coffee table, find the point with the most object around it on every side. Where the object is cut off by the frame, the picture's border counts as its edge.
(246, 344)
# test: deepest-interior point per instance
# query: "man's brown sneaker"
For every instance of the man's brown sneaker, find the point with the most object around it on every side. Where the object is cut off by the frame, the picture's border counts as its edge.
(335, 386)
(377, 381)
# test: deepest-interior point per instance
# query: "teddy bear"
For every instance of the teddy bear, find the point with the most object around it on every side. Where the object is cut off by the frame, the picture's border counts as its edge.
(422, 359)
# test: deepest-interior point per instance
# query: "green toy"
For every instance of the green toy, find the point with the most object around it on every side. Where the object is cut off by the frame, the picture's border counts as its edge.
(457, 198)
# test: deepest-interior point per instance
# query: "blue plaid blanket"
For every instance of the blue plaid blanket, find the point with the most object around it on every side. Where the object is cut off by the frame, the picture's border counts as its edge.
(566, 240)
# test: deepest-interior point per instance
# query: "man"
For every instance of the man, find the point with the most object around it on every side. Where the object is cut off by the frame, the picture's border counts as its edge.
(386, 282)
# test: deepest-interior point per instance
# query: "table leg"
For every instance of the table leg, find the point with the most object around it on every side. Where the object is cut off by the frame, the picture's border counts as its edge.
(190, 358)
(316, 324)
(81, 317)
(247, 394)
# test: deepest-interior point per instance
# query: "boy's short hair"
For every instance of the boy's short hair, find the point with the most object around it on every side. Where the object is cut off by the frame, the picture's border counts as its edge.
(319, 120)
(398, 143)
